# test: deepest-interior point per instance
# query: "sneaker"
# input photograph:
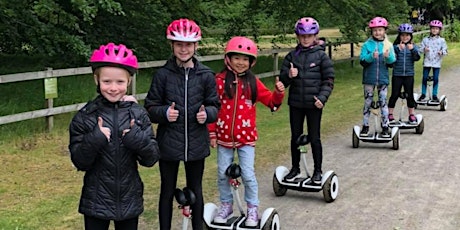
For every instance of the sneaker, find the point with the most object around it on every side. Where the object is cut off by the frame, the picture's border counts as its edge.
(253, 216)
(421, 98)
(385, 132)
(225, 212)
(412, 119)
(292, 174)
(316, 178)
(391, 117)
(435, 98)
(364, 131)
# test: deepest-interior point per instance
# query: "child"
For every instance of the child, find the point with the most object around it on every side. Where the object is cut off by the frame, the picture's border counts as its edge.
(108, 137)
(239, 90)
(434, 48)
(403, 71)
(376, 54)
(310, 73)
(182, 99)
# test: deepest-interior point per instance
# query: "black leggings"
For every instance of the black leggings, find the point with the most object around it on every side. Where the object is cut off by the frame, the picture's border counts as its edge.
(397, 82)
(194, 177)
(92, 223)
(297, 118)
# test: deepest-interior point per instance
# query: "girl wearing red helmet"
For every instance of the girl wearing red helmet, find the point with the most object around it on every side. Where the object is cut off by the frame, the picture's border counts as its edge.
(182, 99)
(434, 48)
(310, 74)
(376, 55)
(109, 135)
(239, 90)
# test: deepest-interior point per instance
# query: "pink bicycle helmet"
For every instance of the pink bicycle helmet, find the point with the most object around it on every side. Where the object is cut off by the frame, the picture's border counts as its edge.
(241, 45)
(378, 22)
(184, 30)
(436, 23)
(114, 55)
(306, 25)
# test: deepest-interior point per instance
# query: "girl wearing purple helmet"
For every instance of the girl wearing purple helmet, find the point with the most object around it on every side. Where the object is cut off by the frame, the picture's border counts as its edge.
(434, 48)
(403, 71)
(110, 135)
(310, 74)
(376, 54)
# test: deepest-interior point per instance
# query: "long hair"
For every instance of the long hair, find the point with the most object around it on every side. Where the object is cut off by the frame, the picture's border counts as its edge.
(398, 40)
(249, 83)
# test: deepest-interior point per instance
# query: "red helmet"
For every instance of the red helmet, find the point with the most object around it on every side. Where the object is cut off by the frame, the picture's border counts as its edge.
(241, 45)
(378, 22)
(184, 30)
(114, 55)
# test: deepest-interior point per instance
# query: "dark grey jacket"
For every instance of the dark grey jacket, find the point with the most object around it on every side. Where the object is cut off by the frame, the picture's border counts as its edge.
(184, 139)
(315, 78)
(112, 187)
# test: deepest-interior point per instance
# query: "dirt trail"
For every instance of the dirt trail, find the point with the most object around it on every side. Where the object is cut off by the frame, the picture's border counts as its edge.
(415, 187)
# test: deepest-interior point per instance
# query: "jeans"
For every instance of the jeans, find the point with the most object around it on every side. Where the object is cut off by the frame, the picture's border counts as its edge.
(246, 155)
(426, 72)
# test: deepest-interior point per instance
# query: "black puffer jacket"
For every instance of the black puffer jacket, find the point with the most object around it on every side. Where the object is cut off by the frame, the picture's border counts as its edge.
(112, 187)
(315, 78)
(185, 139)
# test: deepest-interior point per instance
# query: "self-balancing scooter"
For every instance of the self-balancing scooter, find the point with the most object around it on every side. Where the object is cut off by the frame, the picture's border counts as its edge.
(441, 102)
(418, 126)
(185, 198)
(375, 137)
(270, 219)
(329, 181)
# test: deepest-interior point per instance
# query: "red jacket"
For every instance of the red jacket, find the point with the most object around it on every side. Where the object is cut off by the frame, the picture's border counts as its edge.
(236, 120)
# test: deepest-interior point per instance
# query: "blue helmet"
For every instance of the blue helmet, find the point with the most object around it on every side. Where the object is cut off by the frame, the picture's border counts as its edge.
(405, 28)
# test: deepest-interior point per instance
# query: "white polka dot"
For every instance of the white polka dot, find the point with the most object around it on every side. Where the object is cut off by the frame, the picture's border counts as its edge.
(239, 116)
(242, 96)
(241, 107)
(238, 136)
(223, 101)
(244, 132)
(238, 127)
(248, 137)
(226, 136)
(228, 117)
(222, 131)
(255, 138)
(226, 127)
(220, 86)
(228, 106)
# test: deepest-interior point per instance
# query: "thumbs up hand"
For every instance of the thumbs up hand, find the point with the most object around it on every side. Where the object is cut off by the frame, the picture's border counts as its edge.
(427, 49)
(106, 131)
(201, 115)
(402, 46)
(125, 131)
(279, 85)
(172, 113)
(318, 103)
(386, 54)
(293, 72)
(410, 46)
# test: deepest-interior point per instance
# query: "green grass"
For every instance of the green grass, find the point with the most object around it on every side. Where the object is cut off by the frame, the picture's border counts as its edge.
(40, 189)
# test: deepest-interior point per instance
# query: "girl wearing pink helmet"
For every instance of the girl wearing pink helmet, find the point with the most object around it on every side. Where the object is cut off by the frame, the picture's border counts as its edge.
(310, 74)
(434, 48)
(376, 55)
(109, 135)
(182, 99)
(235, 130)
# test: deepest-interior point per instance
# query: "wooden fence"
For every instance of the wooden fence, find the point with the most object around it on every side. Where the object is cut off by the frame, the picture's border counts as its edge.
(56, 73)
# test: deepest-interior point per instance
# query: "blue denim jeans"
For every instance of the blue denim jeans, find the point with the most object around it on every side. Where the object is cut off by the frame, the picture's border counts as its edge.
(426, 72)
(246, 155)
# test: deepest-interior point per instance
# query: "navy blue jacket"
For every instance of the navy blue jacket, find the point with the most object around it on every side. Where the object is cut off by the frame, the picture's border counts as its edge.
(404, 65)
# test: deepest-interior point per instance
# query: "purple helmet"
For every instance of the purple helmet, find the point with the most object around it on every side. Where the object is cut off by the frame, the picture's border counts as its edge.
(405, 28)
(436, 23)
(306, 26)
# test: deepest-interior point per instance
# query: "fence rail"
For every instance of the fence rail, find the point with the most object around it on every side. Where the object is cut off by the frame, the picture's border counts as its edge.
(49, 112)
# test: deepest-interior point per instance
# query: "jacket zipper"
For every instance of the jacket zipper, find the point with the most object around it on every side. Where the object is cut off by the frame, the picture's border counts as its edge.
(404, 62)
(378, 63)
(186, 71)
(117, 157)
(235, 99)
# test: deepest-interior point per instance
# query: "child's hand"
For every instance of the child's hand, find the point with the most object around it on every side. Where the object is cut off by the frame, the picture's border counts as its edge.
(318, 103)
(410, 46)
(279, 85)
(440, 53)
(201, 115)
(131, 124)
(386, 54)
(106, 131)
(293, 72)
(129, 98)
(213, 143)
(402, 46)
(427, 49)
(172, 113)
(376, 54)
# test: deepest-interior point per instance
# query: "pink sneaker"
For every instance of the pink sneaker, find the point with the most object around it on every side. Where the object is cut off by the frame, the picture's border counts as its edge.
(252, 218)
(225, 212)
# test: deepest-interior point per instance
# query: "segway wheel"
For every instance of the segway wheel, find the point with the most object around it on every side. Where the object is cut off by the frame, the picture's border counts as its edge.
(278, 188)
(273, 222)
(419, 129)
(355, 139)
(331, 188)
(443, 105)
(396, 141)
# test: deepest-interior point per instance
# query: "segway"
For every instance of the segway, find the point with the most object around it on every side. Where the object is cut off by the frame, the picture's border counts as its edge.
(375, 137)
(185, 198)
(428, 101)
(405, 124)
(270, 219)
(329, 181)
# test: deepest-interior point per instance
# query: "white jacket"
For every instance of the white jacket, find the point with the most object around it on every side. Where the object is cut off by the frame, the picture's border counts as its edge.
(432, 57)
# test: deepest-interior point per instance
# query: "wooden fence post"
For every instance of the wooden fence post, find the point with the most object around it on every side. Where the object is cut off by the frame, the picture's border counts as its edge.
(49, 105)
(352, 54)
(133, 85)
(275, 62)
